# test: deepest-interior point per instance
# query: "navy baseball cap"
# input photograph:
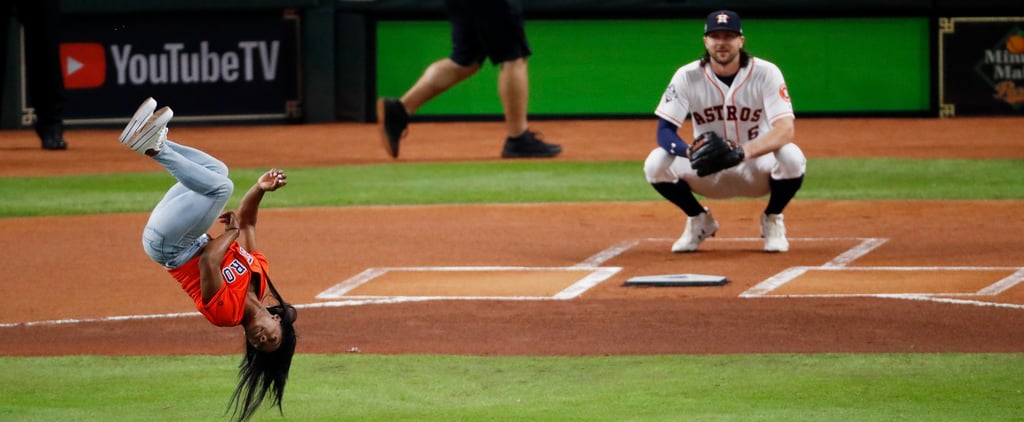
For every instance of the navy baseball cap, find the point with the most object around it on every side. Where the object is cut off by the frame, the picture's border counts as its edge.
(723, 20)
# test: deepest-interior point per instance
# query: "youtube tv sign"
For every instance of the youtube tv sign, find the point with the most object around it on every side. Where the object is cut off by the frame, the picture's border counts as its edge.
(208, 66)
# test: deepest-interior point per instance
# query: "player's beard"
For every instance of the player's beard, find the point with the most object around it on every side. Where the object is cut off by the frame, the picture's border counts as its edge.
(729, 58)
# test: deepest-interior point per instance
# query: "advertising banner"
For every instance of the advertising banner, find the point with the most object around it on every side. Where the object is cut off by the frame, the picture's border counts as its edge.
(981, 66)
(215, 67)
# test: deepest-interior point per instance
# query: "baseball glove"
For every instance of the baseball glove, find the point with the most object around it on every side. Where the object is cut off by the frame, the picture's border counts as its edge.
(711, 153)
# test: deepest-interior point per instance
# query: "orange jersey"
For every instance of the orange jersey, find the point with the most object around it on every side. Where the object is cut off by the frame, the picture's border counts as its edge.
(226, 307)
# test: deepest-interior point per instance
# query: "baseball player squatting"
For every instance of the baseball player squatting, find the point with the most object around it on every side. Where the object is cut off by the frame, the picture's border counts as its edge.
(743, 136)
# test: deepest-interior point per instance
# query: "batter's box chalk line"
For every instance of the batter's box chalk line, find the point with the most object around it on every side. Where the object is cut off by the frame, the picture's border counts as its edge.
(765, 288)
(593, 277)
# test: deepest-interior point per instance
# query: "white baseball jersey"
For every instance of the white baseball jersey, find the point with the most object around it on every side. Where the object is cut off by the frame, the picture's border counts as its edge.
(740, 112)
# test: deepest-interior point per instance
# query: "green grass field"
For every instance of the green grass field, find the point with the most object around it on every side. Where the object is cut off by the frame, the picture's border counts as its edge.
(823, 387)
(352, 387)
(509, 182)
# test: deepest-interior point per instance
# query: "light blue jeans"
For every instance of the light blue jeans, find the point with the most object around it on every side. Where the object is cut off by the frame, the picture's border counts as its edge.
(178, 224)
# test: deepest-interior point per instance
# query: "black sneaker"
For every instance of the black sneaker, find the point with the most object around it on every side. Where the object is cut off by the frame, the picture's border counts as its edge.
(529, 145)
(393, 121)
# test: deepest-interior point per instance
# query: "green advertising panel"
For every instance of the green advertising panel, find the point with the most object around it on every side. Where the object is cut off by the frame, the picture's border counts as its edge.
(582, 67)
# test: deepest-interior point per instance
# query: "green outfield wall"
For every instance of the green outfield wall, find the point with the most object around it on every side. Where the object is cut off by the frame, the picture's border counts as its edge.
(622, 67)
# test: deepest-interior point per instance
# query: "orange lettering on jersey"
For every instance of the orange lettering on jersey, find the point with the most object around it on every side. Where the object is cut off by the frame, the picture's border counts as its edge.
(784, 93)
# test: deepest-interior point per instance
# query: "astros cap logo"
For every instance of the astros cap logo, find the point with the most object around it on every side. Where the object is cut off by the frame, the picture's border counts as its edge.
(723, 20)
(84, 65)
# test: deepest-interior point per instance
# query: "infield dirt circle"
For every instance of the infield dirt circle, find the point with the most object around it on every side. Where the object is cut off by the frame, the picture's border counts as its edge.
(538, 279)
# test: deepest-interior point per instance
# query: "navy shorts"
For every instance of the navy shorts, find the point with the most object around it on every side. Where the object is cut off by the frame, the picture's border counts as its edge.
(487, 29)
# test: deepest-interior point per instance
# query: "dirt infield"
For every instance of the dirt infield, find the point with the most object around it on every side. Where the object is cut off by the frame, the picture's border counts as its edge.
(861, 276)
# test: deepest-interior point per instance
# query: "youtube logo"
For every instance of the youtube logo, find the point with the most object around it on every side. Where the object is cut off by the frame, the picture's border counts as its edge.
(84, 65)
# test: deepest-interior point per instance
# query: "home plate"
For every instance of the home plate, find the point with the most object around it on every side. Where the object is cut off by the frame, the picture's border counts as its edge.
(675, 280)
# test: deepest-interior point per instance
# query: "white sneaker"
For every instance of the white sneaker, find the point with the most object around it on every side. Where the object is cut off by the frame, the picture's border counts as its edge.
(150, 138)
(138, 119)
(698, 228)
(773, 230)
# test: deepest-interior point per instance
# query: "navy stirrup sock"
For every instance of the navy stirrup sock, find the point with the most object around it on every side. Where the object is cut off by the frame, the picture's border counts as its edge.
(782, 192)
(679, 193)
